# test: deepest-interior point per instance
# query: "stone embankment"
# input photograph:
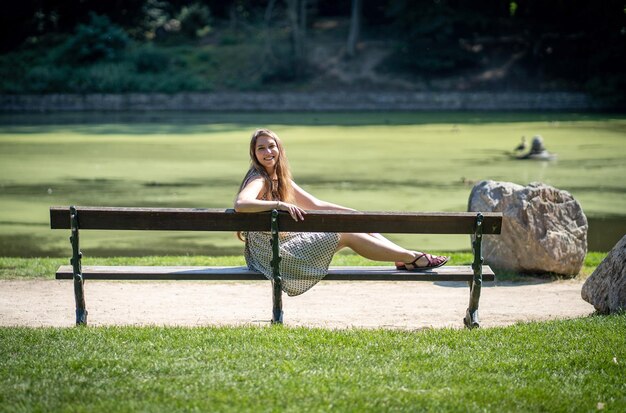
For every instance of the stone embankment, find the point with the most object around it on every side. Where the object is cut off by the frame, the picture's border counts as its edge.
(301, 101)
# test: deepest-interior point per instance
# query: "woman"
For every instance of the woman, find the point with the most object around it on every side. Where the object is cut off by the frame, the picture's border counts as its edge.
(305, 256)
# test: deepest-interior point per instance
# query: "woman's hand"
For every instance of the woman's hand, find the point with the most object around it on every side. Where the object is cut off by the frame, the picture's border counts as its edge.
(295, 211)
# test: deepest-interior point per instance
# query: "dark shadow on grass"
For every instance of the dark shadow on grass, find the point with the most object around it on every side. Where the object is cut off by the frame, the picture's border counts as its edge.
(206, 122)
(33, 246)
(176, 249)
(81, 188)
(30, 246)
(511, 279)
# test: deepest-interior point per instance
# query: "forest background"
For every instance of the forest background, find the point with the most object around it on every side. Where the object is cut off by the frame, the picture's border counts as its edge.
(83, 46)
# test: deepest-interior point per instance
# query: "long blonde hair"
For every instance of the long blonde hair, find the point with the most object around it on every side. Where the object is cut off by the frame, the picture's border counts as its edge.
(282, 190)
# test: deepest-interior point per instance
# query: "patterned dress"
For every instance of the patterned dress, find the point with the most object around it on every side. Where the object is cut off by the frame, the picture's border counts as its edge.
(305, 256)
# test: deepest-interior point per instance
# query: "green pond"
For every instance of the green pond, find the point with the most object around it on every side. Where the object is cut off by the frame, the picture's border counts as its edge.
(369, 161)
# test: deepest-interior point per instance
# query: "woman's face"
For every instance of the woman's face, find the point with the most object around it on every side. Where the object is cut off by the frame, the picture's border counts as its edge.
(266, 151)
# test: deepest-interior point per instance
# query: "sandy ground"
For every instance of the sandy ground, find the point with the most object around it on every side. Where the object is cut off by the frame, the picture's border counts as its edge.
(401, 305)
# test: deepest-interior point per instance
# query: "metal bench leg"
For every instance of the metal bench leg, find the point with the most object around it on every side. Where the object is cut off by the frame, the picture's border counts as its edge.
(277, 302)
(277, 282)
(79, 291)
(471, 315)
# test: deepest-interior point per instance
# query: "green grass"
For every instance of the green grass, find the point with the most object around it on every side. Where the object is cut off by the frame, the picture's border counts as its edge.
(571, 365)
(379, 162)
(12, 268)
(557, 366)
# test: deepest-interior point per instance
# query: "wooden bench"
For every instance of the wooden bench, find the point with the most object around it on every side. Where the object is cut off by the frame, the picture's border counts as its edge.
(188, 219)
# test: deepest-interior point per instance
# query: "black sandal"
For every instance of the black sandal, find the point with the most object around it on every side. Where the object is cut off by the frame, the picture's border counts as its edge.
(434, 261)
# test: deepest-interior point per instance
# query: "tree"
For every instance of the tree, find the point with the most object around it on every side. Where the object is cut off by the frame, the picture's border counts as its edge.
(355, 27)
(297, 13)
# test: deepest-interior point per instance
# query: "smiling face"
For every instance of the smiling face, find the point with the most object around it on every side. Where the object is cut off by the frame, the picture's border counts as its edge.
(269, 159)
(267, 153)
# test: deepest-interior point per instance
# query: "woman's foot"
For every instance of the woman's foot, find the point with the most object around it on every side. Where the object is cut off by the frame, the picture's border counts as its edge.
(423, 261)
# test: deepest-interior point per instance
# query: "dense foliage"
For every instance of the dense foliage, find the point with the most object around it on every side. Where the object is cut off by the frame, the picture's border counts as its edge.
(529, 44)
(97, 40)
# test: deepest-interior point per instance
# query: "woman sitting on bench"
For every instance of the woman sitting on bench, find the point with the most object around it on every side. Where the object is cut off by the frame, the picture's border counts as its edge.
(305, 256)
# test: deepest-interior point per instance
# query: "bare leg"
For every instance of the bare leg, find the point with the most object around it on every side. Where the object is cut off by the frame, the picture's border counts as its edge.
(375, 248)
(382, 238)
(378, 248)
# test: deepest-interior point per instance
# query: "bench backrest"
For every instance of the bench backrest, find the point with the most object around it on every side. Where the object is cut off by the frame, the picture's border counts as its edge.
(197, 219)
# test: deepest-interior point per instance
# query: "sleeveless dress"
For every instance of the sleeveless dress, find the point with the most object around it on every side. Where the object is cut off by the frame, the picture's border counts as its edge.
(305, 256)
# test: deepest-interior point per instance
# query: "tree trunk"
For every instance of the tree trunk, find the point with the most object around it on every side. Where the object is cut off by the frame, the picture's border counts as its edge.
(267, 32)
(232, 14)
(355, 27)
(268, 11)
(297, 19)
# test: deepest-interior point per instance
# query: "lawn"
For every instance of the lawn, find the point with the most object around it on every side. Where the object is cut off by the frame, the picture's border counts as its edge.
(369, 161)
(572, 365)
(12, 268)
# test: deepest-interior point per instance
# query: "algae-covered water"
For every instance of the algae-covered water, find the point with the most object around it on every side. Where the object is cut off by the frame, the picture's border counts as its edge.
(368, 161)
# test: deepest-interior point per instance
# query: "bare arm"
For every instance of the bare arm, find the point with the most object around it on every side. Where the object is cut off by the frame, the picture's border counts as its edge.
(307, 201)
(248, 201)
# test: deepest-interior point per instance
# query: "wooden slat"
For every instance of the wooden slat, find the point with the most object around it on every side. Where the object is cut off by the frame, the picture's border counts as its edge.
(374, 273)
(196, 219)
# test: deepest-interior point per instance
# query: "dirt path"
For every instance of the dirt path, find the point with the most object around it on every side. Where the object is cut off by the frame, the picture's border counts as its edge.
(404, 305)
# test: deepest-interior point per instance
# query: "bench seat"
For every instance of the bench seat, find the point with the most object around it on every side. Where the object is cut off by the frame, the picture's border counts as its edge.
(343, 273)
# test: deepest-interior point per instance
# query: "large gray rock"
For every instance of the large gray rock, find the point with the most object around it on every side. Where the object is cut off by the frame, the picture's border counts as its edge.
(605, 289)
(544, 229)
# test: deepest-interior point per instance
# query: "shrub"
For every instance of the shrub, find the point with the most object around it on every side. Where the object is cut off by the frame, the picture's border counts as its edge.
(156, 14)
(194, 20)
(607, 89)
(100, 39)
(278, 67)
(150, 60)
(46, 79)
(432, 48)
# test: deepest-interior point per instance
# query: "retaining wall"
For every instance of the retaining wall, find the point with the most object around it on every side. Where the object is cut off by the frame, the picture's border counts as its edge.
(294, 101)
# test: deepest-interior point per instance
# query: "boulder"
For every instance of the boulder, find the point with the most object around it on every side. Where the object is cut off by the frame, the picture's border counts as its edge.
(605, 288)
(544, 229)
